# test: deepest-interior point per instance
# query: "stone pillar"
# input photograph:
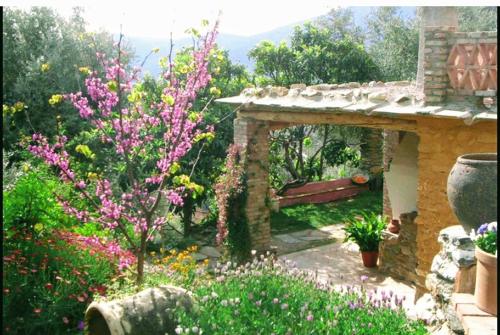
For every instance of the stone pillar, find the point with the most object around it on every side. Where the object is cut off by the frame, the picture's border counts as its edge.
(398, 252)
(453, 270)
(252, 135)
(432, 75)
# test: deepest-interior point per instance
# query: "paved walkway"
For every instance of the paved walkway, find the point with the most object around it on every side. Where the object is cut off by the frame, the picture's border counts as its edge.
(341, 264)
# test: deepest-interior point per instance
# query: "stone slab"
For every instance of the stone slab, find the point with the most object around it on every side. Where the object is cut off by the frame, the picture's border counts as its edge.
(287, 238)
(480, 325)
(210, 252)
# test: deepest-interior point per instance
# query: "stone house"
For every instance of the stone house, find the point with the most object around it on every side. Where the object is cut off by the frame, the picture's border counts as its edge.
(450, 110)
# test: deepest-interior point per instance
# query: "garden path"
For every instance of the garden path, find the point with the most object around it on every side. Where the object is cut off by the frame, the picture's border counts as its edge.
(341, 264)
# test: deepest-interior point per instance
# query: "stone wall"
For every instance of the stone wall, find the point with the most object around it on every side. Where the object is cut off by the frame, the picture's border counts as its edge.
(441, 142)
(253, 135)
(398, 252)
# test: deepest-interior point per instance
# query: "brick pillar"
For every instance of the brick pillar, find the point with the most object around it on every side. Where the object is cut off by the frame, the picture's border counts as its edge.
(252, 135)
(437, 24)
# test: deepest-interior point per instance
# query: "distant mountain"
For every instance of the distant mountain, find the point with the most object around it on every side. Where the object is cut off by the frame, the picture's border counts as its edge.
(237, 46)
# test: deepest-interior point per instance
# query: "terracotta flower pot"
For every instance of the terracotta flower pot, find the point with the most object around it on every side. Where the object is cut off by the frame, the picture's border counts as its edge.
(369, 258)
(485, 294)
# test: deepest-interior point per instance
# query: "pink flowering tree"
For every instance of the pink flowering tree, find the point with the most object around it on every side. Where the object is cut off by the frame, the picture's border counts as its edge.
(149, 137)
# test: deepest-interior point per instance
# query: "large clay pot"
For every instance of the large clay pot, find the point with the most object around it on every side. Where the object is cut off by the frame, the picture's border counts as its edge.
(147, 312)
(369, 258)
(472, 189)
(485, 294)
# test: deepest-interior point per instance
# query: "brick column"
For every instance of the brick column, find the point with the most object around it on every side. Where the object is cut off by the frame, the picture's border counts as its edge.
(437, 24)
(252, 135)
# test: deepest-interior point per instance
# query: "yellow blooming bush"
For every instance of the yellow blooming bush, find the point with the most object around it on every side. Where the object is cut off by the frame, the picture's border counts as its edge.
(179, 265)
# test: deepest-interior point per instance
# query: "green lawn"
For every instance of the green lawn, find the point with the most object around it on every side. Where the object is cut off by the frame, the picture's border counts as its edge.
(310, 216)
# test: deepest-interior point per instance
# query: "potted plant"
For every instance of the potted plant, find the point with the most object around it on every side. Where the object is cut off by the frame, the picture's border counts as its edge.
(485, 293)
(366, 232)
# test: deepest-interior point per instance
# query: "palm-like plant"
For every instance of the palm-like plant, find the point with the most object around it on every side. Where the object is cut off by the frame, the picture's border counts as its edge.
(366, 232)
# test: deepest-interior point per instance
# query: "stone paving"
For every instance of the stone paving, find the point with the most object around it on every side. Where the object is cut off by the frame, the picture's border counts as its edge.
(341, 264)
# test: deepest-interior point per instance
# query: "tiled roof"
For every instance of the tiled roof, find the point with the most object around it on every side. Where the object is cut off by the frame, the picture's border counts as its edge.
(392, 99)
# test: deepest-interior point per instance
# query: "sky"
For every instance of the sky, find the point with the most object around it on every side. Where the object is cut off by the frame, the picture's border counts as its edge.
(157, 19)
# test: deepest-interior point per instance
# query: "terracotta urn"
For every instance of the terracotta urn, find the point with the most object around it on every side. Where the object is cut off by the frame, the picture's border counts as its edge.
(394, 227)
(370, 258)
(472, 189)
(147, 312)
(485, 293)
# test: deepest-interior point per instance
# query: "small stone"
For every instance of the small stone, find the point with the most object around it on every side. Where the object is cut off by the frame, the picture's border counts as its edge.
(310, 93)
(377, 97)
(343, 86)
(372, 83)
(210, 252)
(354, 84)
(298, 86)
(278, 91)
(425, 307)
(401, 98)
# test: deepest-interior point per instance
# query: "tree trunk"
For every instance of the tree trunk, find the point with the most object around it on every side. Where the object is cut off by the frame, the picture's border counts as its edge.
(187, 215)
(321, 157)
(140, 259)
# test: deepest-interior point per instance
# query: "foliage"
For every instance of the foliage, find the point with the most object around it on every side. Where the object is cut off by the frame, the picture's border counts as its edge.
(31, 204)
(48, 281)
(43, 55)
(11, 172)
(393, 43)
(314, 216)
(475, 18)
(486, 237)
(149, 140)
(313, 57)
(318, 53)
(231, 193)
(270, 297)
(366, 231)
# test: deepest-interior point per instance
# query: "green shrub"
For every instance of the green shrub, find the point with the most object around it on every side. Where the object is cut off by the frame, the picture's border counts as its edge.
(269, 297)
(366, 232)
(32, 202)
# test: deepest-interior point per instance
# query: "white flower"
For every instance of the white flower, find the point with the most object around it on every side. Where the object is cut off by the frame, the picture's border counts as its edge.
(178, 330)
(254, 252)
(472, 235)
(492, 226)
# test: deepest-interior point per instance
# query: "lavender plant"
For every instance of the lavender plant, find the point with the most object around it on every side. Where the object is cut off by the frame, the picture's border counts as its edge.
(266, 296)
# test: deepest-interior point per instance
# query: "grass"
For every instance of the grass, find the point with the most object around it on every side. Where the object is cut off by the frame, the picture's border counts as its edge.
(314, 216)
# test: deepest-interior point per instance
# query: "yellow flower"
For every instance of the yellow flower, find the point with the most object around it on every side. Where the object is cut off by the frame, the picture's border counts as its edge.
(18, 106)
(85, 70)
(215, 91)
(55, 99)
(26, 167)
(45, 67)
(38, 227)
(92, 175)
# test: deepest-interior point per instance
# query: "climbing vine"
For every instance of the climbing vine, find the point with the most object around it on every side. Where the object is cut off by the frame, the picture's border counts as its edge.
(231, 194)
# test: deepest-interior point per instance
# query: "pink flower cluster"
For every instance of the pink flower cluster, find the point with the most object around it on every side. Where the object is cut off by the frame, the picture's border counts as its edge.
(229, 185)
(131, 128)
(110, 250)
